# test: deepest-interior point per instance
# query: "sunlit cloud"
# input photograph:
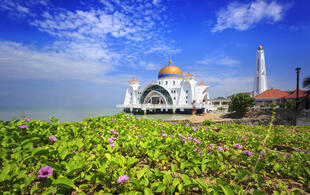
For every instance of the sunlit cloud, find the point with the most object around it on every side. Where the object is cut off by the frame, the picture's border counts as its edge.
(242, 16)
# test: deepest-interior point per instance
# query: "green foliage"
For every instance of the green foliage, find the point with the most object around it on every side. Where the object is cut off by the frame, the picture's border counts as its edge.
(207, 122)
(155, 164)
(240, 103)
(290, 104)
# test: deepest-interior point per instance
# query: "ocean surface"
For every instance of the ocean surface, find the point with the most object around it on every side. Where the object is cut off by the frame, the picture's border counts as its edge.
(73, 114)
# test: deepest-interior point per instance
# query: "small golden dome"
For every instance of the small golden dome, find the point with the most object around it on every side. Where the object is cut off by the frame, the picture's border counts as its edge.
(170, 71)
(260, 47)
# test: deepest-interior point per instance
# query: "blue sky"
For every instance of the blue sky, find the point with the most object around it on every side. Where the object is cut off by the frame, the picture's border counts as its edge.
(82, 53)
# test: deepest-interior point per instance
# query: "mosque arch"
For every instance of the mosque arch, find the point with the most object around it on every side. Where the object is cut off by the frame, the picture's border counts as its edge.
(188, 92)
(156, 90)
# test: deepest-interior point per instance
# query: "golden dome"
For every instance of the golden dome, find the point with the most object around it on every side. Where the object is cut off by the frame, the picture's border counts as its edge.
(260, 47)
(170, 71)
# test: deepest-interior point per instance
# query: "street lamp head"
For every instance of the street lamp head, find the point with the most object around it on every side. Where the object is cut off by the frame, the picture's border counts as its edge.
(298, 69)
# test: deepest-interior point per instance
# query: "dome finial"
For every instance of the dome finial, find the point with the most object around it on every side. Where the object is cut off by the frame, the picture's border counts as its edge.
(260, 47)
(170, 62)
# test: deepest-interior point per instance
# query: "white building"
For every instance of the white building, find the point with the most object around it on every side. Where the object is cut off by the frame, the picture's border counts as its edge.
(172, 92)
(260, 78)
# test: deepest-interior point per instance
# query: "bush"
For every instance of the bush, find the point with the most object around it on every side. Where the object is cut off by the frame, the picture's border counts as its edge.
(207, 122)
(240, 103)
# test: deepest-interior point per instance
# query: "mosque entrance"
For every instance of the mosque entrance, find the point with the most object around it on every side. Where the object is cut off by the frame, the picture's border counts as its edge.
(155, 97)
(155, 94)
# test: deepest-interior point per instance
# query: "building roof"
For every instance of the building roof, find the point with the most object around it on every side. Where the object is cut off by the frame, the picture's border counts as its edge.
(294, 94)
(133, 79)
(188, 74)
(272, 93)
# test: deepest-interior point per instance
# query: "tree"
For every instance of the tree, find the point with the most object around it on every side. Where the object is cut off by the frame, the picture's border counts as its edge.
(306, 82)
(240, 103)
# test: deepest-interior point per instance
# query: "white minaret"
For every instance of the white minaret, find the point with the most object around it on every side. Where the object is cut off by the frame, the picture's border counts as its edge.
(260, 78)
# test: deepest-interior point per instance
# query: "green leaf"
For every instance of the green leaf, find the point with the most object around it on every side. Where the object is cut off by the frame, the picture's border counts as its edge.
(148, 191)
(50, 190)
(276, 167)
(135, 183)
(161, 188)
(186, 180)
(173, 167)
(176, 181)
(141, 173)
(63, 153)
(202, 184)
(64, 181)
(227, 190)
(108, 156)
(4, 172)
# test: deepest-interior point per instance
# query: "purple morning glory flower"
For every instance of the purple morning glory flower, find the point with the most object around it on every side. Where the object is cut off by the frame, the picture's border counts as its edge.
(220, 148)
(115, 133)
(113, 121)
(243, 137)
(100, 134)
(162, 131)
(211, 145)
(52, 138)
(287, 155)
(153, 124)
(112, 145)
(297, 149)
(133, 126)
(160, 125)
(201, 153)
(225, 148)
(122, 178)
(206, 128)
(165, 135)
(197, 150)
(187, 125)
(194, 129)
(237, 146)
(22, 127)
(184, 140)
(209, 150)
(128, 117)
(73, 151)
(197, 141)
(45, 172)
(263, 153)
(112, 130)
(139, 136)
(190, 138)
(26, 119)
(111, 139)
(247, 153)
(180, 135)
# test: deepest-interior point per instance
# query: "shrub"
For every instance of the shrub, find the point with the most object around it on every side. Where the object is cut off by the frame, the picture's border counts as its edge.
(240, 103)
(207, 122)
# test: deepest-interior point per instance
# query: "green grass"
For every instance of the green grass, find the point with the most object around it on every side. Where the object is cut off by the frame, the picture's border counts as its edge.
(154, 163)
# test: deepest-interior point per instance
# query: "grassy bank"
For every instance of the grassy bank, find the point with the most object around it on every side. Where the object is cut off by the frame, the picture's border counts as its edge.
(124, 154)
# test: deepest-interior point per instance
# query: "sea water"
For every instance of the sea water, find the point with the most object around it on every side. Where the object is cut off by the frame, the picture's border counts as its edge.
(73, 113)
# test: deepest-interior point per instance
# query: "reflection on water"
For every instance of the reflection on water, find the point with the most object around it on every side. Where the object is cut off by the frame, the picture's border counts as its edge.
(75, 114)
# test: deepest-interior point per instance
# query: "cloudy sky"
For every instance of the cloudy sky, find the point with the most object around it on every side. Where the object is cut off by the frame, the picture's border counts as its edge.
(82, 53)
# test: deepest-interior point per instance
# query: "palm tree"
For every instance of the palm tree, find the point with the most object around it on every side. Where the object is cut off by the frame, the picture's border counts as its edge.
(306, 84)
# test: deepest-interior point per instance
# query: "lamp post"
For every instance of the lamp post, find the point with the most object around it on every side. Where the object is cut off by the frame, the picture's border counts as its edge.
(297, 89)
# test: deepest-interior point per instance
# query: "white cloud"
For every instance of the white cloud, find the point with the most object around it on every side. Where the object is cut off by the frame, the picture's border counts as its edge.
(219, 60)
(242, 16)
(89, 43)
(80, 62)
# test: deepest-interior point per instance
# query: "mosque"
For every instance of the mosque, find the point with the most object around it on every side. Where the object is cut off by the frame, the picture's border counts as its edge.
(172, 92)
